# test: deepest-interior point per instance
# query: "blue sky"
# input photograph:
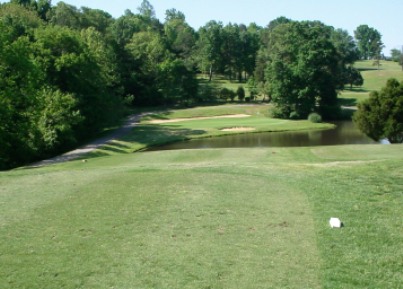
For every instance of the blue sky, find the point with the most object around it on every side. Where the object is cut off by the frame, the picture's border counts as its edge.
(385, 16)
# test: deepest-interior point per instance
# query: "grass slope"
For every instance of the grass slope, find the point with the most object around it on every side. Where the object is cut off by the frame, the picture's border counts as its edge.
(374, 79)
(226, 218)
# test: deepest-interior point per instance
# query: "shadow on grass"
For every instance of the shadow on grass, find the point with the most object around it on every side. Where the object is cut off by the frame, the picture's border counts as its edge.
(145, 136)
(370, 68)
(356, 89)
(348, 101)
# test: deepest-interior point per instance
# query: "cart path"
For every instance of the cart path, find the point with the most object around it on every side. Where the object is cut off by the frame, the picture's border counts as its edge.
(131, 122)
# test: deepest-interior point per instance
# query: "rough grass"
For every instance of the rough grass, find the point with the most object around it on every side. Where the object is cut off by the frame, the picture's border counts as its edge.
(225, 218)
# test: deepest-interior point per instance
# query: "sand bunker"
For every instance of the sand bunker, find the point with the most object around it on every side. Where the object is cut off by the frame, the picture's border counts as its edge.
(159, 121)
(239, 129)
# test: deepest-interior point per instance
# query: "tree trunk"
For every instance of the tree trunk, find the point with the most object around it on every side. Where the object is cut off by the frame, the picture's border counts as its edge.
(210, 73)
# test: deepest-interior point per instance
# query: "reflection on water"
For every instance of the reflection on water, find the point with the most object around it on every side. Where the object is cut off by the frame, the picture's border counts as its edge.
(344, 133)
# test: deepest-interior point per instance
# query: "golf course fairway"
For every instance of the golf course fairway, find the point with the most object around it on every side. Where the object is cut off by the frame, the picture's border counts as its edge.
(222, 218)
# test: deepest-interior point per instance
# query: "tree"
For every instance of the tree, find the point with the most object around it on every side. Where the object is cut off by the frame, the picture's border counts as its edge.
(208, 48)
(353, 77)
(397, 56)
(348, 54)
(95, 18)
(179, 35)
(381, 116)
(146, 9)
(20, 77)
(75, 63)
(44, 7)
(303, 70)
(171, 14)
(240, 93)
(66, 15)
(369, 42)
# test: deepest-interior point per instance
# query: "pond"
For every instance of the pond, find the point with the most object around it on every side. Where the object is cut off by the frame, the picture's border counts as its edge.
(344, 133)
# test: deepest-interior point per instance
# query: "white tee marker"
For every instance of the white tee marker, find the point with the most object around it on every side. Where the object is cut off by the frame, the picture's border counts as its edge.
(335, 223)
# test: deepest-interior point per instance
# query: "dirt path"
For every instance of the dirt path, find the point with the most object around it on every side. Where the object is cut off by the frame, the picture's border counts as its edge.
(74, 154)
(131, 122)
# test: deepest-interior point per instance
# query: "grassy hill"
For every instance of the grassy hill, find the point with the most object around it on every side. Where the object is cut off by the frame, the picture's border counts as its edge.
(227, 218)
(374, 79)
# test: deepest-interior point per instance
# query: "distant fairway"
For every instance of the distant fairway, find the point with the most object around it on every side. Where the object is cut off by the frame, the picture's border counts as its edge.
(225, 218)
(374, 79)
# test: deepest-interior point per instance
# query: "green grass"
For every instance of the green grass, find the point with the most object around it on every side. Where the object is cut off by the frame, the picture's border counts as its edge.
(224, 218)
(220, 81)
(205, 111)
(147, 134)
(374, 79)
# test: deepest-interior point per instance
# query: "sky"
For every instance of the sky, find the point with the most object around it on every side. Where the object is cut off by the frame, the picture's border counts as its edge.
(385, 16)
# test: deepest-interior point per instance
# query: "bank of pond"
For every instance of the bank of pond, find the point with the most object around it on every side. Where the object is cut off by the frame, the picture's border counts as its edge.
(344, 133)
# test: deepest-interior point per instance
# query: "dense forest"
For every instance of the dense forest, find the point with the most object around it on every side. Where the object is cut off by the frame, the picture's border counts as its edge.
(66, 72)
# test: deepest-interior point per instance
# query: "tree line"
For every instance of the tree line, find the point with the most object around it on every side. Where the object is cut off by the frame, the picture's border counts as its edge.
(66, 72)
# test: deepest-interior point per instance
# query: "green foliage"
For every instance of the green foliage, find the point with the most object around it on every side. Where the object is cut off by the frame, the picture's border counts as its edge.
(353, 77)
(230, 50)
(395, 55)
(146, 9)
(369, 42)
(180, 36)
(315, 117)
(59, 85)
(240, 93)
(302, 69)
(252, 87)
(92, 64)
(226, 94)
(294, 115)
(381, 116)
(57, 118)
(20, 77)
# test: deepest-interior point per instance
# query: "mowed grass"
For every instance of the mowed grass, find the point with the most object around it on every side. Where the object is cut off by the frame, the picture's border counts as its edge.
(224, 218)
(148, 134)
(374, 79)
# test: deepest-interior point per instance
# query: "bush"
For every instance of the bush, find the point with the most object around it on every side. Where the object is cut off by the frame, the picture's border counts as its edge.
(206, 94)
(277, 112)
(226, 93)
(295, 115)
(315, 118)
(240, 93)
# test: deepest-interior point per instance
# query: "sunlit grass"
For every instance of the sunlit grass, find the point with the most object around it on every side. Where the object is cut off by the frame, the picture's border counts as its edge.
(374, 79)
(148, 134)
(222, 218)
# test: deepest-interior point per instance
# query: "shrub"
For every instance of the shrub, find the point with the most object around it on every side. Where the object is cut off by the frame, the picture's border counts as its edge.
(226, 93)
(240, 93)
(277, 112)
(294, 115)
(315, 117)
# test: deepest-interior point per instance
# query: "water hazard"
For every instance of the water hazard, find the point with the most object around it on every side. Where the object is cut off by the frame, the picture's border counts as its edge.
(344, 133)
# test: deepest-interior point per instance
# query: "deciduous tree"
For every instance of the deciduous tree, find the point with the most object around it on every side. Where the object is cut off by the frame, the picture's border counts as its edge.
(303, 71)
(369, 42)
